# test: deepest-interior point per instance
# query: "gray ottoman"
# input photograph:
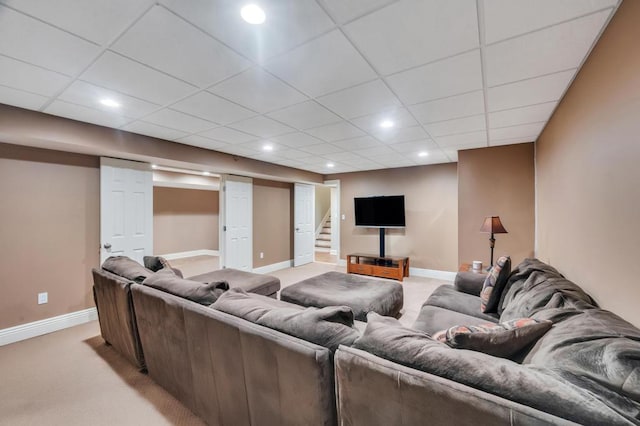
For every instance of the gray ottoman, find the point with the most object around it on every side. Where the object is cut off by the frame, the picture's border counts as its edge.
(267, 285)
(362, 295)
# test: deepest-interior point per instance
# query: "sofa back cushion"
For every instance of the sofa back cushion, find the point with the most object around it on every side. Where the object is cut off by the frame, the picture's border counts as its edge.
(156, 263)
(126, 268)
(202, 293)
(528, 385)
(330, 326)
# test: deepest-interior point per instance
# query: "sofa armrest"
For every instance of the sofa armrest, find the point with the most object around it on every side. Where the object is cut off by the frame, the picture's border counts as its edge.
(469, 282)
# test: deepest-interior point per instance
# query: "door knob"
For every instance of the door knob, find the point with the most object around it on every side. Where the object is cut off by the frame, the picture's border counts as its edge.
(107, 246)
(297, 229)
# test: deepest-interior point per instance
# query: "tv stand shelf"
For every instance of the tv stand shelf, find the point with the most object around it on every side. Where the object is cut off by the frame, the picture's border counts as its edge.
(392, 267)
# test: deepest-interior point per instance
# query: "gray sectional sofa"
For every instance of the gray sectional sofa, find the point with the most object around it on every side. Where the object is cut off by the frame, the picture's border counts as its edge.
(248, 359)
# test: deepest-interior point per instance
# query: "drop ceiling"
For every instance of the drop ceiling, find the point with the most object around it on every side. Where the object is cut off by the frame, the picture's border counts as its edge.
(314, 82)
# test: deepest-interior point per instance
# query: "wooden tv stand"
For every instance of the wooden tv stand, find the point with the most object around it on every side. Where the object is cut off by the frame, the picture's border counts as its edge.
(392, 267)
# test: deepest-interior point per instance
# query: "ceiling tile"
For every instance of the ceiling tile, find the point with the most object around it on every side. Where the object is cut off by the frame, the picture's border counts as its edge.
(365, 164)
(296, 140)
(293, 154)
(20, 98)
(400, 117)
(479, 138)
(179, 121)
(459, 125)
(335, 132)
(154, 130)
(42, 44)
(261, 126)
(165, 42)
(305, 115)
(452, 153)
(550, 50)
(288, 23)
(449, 108)
(30, 78)
(258, 90)
(512, 141)
(96, 20)
(508, 18)
(201, 141)
(529, 92)
(516, 131)
(124, 75)
(410, 33)
(378, 153)
(321, 149)
(325, 64)
(434, 157)
(358, 143)
(345, 157)
(415, 146)
(392, 136)
(368, 98)
(344, 11)
(238, 150)
(213, 108)
(529, 114)
(448, 77)
(228, 135)
(260, 144)
(89, 115)
(86, 94)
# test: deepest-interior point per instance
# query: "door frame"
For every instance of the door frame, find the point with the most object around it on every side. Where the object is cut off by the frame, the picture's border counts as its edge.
(335, 221)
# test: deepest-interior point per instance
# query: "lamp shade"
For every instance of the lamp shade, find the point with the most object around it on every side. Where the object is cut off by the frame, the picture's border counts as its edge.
(493, 225)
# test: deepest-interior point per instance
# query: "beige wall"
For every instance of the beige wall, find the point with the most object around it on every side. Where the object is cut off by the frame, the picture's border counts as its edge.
(272, 222)
(49, 232)
(431, 208)
(184, 220)
(323, 203)
(588, 173)
(497, 181)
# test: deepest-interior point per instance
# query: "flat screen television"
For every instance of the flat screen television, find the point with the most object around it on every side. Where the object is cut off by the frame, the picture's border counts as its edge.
(380, 212)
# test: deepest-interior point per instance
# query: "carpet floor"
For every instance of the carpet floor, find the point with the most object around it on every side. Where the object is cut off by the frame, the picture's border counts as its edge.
(72, 378)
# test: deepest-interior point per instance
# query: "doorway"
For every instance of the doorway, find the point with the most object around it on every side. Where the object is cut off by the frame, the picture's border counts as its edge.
(327, 221)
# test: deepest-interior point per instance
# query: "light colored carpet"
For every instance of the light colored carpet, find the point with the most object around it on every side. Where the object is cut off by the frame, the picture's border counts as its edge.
(72, 378)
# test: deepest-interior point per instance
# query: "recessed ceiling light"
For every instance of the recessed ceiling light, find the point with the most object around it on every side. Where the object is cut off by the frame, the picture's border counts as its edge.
(206, 173)
(386, 124)
(423, 154)
(268, 147)
(330, 165)
(253, 14)
(110, 103)
(154, 166)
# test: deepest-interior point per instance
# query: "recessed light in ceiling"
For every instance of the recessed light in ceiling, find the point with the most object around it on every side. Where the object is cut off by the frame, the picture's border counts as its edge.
(110, 103)
(423, 154)
(330, 165)
(267, 147)
(206, 173)
(154, 166)
(386, 124)
(253, 14)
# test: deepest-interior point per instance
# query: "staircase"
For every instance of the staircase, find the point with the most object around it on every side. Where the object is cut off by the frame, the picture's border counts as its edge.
(323, 240)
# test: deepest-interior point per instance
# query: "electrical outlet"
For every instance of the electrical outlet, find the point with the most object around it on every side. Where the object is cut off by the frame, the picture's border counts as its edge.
(43, 298)
(344, 216)
(261, 255)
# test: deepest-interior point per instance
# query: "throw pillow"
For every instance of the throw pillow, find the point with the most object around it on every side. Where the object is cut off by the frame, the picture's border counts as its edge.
(126, 268)
(203, 293)
(156, 263)
(503, 340)
(494, 284)
(329, 327)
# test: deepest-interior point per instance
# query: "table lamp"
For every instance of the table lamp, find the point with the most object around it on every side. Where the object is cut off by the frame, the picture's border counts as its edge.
(492, 225)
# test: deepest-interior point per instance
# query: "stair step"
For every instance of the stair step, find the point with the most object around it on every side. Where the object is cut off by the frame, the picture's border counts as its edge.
(324, 237)
(323, 243)
(326, 229)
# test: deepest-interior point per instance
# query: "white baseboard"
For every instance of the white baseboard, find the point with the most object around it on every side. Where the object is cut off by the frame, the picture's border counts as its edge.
(420, 272)
(45, 326)
(273, 267)
(183, 254)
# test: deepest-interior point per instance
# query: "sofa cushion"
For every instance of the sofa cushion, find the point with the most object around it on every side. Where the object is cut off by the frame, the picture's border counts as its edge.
(469, 282)
(446, 296)
(494, 284)
(503, 340)
(155, 263)
(432, 319)
(202, 293)
(329, 327)
(528, 385)
(126, 268)
(248, 281)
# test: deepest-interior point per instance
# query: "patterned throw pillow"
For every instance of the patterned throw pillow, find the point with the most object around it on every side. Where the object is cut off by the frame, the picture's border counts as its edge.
(503, 340)
(156, 263)
(494, 284)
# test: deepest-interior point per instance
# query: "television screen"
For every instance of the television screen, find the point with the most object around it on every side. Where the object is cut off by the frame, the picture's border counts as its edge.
(380, 212)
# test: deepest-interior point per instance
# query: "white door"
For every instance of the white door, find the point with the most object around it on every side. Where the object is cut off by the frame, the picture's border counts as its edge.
(236, 201)
(304, 232)
(126, 209)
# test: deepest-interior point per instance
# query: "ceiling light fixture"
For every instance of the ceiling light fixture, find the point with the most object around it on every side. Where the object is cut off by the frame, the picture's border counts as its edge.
(386, 124)
(154, 166)
(423, 154)
(110, 103)
(206, 173)
(253, 14)
(267, 148)
(330, 165)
